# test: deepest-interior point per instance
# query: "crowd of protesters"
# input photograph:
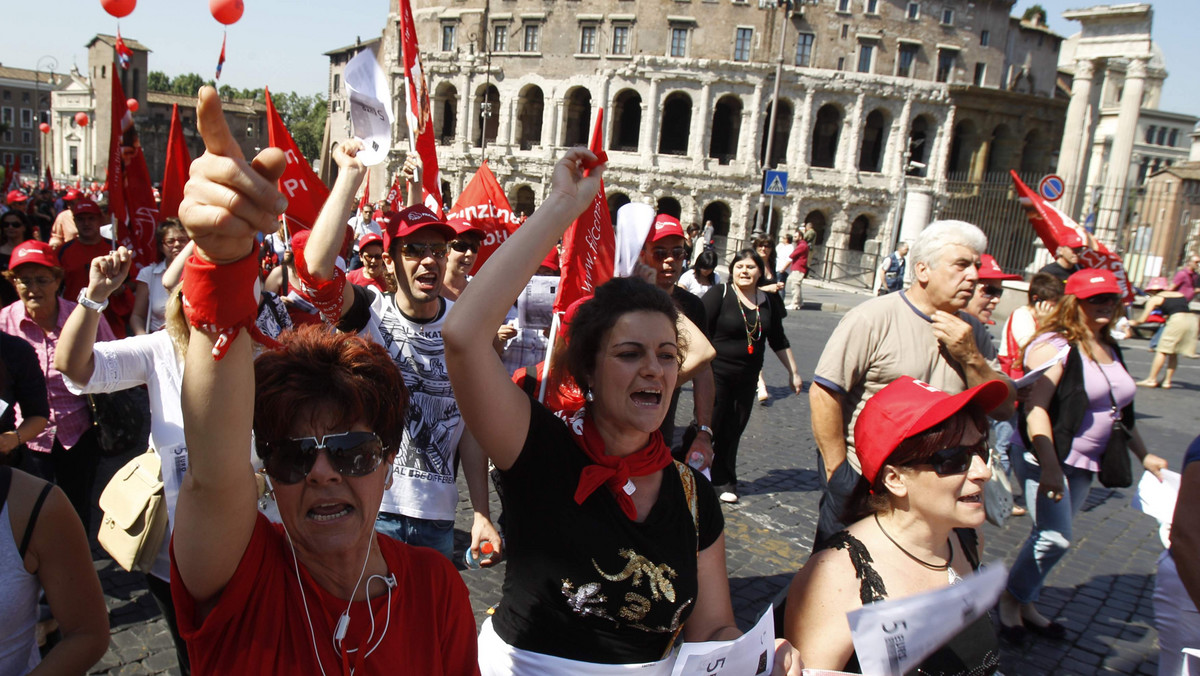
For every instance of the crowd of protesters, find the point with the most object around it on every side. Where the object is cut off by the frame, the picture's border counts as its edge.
(311, 429)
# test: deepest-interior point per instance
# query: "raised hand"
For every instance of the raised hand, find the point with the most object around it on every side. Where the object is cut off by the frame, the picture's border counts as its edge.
(228, 201)
(569, 181)
(345, 155)
(107, 273)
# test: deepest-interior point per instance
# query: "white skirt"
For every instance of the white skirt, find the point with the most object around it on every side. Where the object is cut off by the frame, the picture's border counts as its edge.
(497, 658)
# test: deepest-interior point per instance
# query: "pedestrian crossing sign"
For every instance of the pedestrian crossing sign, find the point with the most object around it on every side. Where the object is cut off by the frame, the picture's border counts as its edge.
(775, 183)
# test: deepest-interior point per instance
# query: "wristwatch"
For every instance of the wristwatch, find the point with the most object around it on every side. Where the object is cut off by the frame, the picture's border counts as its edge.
(705, 428)
(89, 303)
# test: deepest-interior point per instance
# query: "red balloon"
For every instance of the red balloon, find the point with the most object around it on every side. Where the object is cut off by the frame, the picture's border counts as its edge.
(118, 8)
(226, 11)
(81, 119)
(132, 105)
(45, 127)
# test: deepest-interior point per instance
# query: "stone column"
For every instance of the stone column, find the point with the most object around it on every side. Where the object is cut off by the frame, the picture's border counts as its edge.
(1072, 156)
(803, 130)
(648, 140)
(939, 154)
(506, 110)
(851, 142)
(1116, 187)
(795, 155)
(598, 102)
(898, 142)
(700, 134)
(466, 124)
(755, 120)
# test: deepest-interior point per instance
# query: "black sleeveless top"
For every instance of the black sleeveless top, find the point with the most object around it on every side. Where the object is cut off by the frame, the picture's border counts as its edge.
(1171, 306)
(972, 652)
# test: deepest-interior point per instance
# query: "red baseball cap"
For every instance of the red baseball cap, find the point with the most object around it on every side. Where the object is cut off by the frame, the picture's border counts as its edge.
(35, 252)
(71, 195)
(665, 225)
(462, 226)
(1072, 239)
(1088, 283)
(907, 407)
(551, 260)
(990, 269)
(15, 196)
(419, 217)
(85, 205)
(369, 238)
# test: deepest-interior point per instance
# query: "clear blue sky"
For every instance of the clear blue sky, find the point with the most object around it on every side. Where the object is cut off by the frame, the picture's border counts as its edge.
(279, 42)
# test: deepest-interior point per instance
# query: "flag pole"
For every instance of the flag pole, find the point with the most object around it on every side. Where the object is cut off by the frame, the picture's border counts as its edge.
(545, 375)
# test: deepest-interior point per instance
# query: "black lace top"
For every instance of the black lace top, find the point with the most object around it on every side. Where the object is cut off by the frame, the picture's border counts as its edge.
(972, 652)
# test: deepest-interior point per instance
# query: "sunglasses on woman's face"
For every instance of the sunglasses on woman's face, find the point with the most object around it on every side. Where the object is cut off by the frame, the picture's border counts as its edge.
(956, 459)
(1103, 299)
(351, 454)
(662, 253)
(13, 224)
(464, 246)
(992, 291)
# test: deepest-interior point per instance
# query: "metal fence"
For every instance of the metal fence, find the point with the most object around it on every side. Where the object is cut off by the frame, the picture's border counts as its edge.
(992, 205)
(843, 266)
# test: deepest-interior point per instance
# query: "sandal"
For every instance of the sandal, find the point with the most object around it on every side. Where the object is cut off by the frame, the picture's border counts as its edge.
(1147, 383)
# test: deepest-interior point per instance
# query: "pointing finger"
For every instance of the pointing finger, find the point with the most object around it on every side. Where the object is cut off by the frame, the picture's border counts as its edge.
(210, 120)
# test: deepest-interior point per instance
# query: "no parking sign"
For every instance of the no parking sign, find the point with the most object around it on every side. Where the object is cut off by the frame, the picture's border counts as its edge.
(1051, 187)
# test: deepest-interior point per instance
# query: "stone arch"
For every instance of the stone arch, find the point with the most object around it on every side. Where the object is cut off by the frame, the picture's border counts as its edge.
(964, 144)
(726, 126)
(616, 200)
(826, 129)
(860, 231)
(627, 121)
(447, 193)
(920, 141)
(1034, 152)
(487, 114)
(1001, 149)
(524, 200)
(676, 124)
(820, 223)
(531, 104)
(874, 141)
(719, 213)
(577, 116)
(669, 206)
(783, 130)
(445, 112)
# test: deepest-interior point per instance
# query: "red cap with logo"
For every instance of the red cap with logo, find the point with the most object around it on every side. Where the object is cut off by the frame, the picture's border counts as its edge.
(1088, 283)
(369, 238)
(989, 269)
(665, 225)
(1072, 239)
(35, 252)
(463, 226)
(85, 205)
(419, 217)
(907, 407)
(72, 195)
(15, 196)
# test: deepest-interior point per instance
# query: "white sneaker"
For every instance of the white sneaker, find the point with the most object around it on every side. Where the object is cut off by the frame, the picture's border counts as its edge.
(728, 497)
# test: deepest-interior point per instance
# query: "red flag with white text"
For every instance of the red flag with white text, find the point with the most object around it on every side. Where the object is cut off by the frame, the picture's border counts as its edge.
(176, 173)
(130, 193)
(1053, 226)
(589, 245)
(305, 192)
(418, 111)
(484, 205)
(395, 196)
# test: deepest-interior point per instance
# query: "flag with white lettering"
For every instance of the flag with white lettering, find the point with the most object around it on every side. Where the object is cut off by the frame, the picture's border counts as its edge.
(395, 196)
(130, 193)
(176, 173)
(589, 245)
(418, 111)
(1054, 226)
(305, 192)
(484, 205)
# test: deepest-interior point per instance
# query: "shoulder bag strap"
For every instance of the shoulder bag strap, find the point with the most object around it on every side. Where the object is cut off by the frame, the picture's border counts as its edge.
(5, 482)
(33, 515)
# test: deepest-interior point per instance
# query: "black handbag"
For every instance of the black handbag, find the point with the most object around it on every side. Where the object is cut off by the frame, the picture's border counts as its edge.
(121, 420)
(1115, 469)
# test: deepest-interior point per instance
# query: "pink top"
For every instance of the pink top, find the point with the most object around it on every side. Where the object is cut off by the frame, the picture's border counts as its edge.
(1096, 426)
(69, 415)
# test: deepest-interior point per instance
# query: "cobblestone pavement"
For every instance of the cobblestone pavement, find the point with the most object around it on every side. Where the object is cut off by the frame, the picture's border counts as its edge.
(1101, 591)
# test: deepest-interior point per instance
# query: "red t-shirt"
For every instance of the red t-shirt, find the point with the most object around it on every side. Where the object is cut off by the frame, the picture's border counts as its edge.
(76, 259)
(259, 624)
(358, 277)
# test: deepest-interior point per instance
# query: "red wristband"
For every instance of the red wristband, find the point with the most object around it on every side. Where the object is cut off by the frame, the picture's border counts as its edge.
(221, 298)
(324, 294)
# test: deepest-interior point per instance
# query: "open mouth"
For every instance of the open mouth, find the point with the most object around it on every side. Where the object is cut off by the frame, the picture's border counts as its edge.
(972, 499)
(647, 398)
(427, 281)
(329, 512)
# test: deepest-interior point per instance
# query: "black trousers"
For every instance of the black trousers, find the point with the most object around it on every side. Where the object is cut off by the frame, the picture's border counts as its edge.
(732, 403)
(160, 591)
(73, 470)
(835, 495)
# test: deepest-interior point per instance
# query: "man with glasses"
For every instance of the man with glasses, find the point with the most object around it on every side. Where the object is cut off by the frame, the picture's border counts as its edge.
(989, 289)
(1066, 257)
(372, 272)
(922, 332)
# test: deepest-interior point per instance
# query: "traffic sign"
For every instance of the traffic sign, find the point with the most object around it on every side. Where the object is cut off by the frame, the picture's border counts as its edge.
(1051, 187)
(775, 183)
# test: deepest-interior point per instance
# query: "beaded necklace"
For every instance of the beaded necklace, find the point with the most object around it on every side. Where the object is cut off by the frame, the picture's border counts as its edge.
(753, 331)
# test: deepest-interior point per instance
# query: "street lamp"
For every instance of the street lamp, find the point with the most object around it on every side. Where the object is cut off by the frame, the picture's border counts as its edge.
(786, 6)
(37, 106)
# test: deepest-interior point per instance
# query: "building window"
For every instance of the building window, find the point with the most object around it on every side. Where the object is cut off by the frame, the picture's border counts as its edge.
(620, 43)
(947, 16)
(337, 84)
(1173, 138)
(946, 58)
(679, 42)
(8, 138)
(980, 73)
(587, 39)
(27, 159)
(24, 97)
(741, 45)
(866, 51)
(6, 116)
(872, 6)
(26, 117)
(843, 6)
(500, 37)
(985, 37)
(908, 57)
(841, 63)
(7, 95)
(1150, 134)
(914, 11)
(533, 36)
(1162, 132)
(26, 137)
(804, 47)
(447, 37)
(845, 31)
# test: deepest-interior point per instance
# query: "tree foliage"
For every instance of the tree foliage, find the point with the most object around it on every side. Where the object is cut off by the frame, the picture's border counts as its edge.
(1035, 11)
(157, 81)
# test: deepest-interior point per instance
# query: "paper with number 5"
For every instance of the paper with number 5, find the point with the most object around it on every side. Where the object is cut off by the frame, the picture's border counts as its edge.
(371, 113)
(751, 653)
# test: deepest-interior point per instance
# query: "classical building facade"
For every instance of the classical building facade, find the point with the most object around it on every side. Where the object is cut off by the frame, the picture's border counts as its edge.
(874, 95)
(24, 105)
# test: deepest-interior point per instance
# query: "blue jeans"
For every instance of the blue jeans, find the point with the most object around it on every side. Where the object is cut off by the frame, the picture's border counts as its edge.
(432, 533)
(1002, 434)
(1051, 535)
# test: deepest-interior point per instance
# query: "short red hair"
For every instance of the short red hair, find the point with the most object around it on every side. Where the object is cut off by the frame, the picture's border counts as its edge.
(339, 378)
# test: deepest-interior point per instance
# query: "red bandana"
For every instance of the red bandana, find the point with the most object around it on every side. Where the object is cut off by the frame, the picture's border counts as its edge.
(615, 471)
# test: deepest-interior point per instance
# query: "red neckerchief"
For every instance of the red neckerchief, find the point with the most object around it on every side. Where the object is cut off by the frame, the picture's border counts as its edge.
(614, 471)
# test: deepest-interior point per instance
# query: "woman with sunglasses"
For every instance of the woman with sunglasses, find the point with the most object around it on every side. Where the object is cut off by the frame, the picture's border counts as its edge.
(703, 274)
(914, 517)
(614, 550)
(14, 229)
(320, 593)
(1069, 416)
(460, 257)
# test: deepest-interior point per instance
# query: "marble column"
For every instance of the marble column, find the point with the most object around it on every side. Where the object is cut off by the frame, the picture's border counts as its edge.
(851, 142)
(1076, 144)
(701, 128)
(466, 123)
(803, 130)
(651, 110)
(1113, 205)
(898, 158)
(795, 149)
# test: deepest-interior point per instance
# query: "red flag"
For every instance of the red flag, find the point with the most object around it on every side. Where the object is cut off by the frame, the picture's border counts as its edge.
(221, 59)
(418, 111)
(79, 183)
(305, 191)
(395, 196)
(484, 205)
(49, 179)
(124, 53)
(589, 246)
(13, 177)
(176, 173)
(130, 195)
(1053, 226)
(366, 196)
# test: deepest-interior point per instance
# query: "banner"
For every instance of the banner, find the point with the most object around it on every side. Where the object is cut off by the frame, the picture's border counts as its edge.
(371, 115)
(176, 173)
(130, 193)
(484, 205)
(589, 245)
(305, 192)
(1053, 226)
(395, 196)
(418, 111)
(366, 195)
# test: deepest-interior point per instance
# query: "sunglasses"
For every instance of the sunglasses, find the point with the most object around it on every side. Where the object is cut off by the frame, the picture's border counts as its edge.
(420, 251)
(464, 246)
(1103, 299)
(662, 253)
(13, 224)
(956, 459)
(992, 291)
(28, 282)
(351, 454)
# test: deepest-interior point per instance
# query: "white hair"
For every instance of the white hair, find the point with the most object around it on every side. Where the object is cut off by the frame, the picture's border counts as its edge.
(928, 246)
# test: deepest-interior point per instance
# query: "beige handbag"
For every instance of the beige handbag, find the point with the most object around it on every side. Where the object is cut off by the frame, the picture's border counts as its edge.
(135, 513)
